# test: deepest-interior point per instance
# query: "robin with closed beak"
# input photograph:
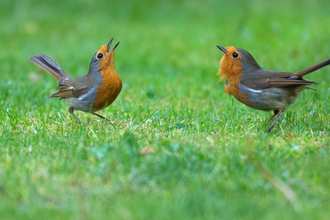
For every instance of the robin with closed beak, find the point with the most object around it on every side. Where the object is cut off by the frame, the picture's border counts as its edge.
(88, 93)
(259, 88)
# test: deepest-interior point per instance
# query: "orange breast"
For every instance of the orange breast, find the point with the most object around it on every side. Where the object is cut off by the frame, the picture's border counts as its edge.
(233, 72)
(232, 88)
(109, 90)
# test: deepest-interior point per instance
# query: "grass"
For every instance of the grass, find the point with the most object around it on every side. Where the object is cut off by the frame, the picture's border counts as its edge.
(212, 157)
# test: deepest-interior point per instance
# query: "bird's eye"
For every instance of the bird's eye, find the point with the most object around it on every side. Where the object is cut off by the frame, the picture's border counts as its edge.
(235, 55)
(100, 55)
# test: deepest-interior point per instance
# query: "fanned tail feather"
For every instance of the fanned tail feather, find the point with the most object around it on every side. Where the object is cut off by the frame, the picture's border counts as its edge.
(47, 63)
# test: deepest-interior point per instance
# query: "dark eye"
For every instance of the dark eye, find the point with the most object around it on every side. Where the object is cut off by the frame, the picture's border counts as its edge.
(235, 55)
(100, 55)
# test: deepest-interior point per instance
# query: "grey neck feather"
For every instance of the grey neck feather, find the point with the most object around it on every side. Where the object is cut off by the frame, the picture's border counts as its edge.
(94, 70)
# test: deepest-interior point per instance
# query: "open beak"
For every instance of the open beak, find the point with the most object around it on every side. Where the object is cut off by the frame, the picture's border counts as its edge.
(109, 44)
(222, 48)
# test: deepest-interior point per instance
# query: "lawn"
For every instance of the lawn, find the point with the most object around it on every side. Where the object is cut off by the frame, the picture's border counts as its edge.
(178, 147)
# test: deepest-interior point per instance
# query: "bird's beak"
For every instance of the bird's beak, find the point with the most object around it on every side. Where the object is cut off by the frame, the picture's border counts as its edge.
(109, 44)
(223, 49)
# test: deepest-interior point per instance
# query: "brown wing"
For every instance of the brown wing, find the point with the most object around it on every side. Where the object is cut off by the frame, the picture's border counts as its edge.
(280, 83)
(264, 79)
(69, 88)
(290, 81)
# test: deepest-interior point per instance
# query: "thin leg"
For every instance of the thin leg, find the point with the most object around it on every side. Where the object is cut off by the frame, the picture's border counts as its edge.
(105, 119)
(281, 110)
(71, 112)
(275, 113)
(100, 116)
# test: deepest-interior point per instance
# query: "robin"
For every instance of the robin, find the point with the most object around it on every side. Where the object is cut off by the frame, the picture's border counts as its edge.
(89, 93)
(259, 88)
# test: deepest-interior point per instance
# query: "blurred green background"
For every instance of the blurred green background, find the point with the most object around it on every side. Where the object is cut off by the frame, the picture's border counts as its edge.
(172, 42)
(163, 40)
(208, 147)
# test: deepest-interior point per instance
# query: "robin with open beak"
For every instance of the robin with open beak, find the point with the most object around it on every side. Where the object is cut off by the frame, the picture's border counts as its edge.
(91, 92)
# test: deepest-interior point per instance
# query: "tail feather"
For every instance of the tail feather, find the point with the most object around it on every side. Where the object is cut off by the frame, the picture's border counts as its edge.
(47, 63)
(313, 68)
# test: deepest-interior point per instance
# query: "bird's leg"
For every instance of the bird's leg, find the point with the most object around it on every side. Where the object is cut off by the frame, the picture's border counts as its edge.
(71, 112)
(105, 119)
(280, 111)
(100, 116)
(275, 113)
